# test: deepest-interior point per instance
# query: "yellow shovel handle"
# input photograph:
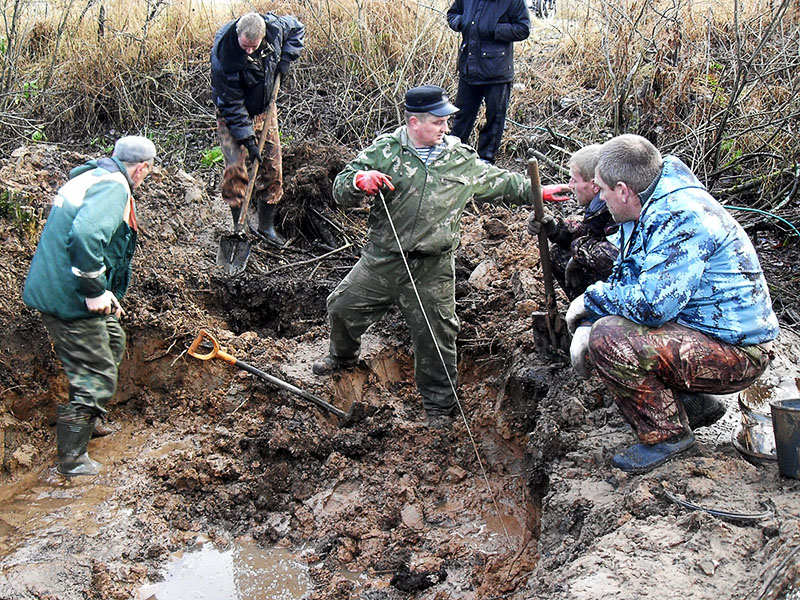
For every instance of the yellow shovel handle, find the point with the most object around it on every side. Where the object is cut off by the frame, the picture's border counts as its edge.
(215, 349)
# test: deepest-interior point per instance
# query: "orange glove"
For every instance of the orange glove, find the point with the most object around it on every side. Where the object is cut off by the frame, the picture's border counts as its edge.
(372, 181)
(558, 192)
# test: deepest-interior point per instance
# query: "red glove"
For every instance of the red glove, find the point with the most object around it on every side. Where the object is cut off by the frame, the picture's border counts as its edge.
(558, 192)
(372, 181)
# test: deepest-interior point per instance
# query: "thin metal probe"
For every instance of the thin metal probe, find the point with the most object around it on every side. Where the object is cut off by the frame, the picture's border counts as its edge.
(444, 366)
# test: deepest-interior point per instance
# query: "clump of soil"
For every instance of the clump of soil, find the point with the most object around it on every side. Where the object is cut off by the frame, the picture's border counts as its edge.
(206, 450)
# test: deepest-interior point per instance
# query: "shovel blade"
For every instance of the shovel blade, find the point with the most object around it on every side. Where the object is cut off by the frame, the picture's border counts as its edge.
(551, 334)
(233, 253)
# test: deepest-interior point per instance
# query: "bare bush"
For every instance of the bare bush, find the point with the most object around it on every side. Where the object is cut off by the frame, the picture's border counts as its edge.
(715, 83)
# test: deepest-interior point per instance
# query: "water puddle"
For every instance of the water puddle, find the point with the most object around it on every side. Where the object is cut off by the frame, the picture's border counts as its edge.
(243, 571)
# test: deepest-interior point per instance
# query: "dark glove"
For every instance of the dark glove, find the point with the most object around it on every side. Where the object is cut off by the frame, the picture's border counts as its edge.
(282, 69)
(548, 222)
(372, 181)
(557, 192)
(573, 273)
(252, 150)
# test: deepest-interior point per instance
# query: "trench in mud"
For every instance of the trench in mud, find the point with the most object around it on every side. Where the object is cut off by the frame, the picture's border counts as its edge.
(167, 468)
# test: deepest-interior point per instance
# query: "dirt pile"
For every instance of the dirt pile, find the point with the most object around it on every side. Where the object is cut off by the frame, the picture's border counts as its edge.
(381, 508)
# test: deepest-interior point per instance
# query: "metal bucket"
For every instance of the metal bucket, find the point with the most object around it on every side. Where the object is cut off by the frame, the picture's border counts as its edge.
(786, 426)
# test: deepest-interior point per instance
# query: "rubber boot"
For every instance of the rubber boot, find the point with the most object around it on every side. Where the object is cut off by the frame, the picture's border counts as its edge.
(102, 427)
(235, 212)
(266, 223)
(73, 432)
(702, 410)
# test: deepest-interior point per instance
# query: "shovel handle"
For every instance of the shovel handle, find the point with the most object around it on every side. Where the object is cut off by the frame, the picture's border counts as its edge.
(215, 351)
(544, 247)
(262, 138)
(289, 388)
(544, 253)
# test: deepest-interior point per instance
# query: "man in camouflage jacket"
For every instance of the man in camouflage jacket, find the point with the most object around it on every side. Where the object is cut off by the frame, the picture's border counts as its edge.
(580, 250)
(686, 311)
(427, 178)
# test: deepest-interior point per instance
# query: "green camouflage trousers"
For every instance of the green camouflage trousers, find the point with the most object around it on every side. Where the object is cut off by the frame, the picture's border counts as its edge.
(90, 351)
(378, 281)
(641, 366)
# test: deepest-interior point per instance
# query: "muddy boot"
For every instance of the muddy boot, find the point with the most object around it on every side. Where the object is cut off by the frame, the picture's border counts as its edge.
(641, 458)
(701, 409)
(266, 223)
(440, 421)
(102, 427)
(235, 212)
(329, 365)
(73, 431)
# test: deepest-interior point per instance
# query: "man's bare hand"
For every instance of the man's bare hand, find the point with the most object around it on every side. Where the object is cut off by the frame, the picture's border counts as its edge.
(105, 304)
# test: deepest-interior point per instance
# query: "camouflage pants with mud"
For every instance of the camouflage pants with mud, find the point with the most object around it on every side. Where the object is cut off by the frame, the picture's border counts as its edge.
(592, 259)
(269, 181)
(90, 351)
(641, 366)
(377, 282)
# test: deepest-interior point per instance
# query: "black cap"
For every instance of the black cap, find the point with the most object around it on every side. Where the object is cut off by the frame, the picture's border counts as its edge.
(431, 99)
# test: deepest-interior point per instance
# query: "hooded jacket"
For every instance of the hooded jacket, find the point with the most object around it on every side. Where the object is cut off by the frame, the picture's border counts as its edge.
(241, 84)
(428, 201)
(87, 244)
(488, 30)
(687, 260)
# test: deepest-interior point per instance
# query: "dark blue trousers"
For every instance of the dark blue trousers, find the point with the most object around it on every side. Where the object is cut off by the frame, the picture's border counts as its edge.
(468, 100)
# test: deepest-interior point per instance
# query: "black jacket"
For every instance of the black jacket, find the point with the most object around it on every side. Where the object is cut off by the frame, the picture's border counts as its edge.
(488, 30)
(240, 84)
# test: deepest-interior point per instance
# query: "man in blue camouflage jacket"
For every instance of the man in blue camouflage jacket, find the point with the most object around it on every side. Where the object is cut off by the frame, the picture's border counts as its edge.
(686, 311)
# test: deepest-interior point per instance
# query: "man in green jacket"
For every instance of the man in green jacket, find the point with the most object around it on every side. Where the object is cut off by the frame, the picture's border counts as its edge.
(426, 178)
(78, 275)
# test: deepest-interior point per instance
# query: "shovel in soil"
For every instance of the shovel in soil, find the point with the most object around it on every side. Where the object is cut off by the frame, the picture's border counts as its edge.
(216, 352)
(234, 248)
(549, 323)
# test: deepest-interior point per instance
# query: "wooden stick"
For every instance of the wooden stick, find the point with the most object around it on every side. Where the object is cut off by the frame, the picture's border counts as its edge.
(309, 261)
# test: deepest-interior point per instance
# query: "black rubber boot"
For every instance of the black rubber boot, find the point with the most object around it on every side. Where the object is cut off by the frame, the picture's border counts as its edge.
(266, 223)
(641, 458)
(235, 212)
(702, 410)
(330, 365)
(73, 431)
(440, 421)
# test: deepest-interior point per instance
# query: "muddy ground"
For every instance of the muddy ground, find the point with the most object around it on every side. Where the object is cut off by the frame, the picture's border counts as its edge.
(381, 507)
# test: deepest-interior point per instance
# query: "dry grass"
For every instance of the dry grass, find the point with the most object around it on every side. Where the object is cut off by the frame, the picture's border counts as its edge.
(715, 82)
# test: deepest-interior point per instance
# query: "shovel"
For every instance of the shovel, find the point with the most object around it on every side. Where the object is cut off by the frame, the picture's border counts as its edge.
(551, 321)
(234, 248)
(216, 352)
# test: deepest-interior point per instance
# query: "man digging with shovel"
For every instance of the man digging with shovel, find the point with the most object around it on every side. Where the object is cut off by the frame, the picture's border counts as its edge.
(249, 56)
(425, 179)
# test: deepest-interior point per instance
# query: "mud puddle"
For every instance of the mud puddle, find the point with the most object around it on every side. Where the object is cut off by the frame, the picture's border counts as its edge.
(242, 571)
(45, 501)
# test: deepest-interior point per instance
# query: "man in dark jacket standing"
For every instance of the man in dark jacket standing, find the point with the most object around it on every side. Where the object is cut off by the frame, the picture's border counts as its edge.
(78, 275)
(249, 55)
(488, 30)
